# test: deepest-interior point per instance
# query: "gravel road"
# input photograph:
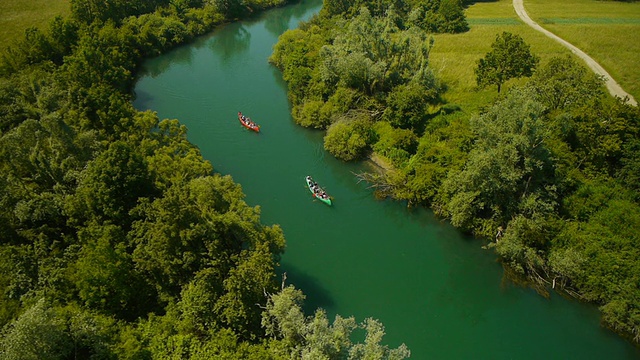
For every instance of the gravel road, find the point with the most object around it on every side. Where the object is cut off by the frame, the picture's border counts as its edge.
(614, 88)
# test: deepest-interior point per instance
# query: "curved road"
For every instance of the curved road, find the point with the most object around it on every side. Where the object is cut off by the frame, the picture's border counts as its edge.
(613, 87)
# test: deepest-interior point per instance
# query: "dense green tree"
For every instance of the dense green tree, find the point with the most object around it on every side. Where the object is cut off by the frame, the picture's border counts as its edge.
(408, 105)
(509, 162)
(510, 57)
(314, 337)
(395, 144)
(105, 276)
(232, 9)
(442, 16)
(88, 11)
(111, 185)
(349, 139)
(563, 83)
(37, 334)
(336, 7)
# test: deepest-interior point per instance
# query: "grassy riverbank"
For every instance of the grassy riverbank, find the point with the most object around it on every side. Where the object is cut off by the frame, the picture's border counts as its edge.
(455, 56)
(19, 15)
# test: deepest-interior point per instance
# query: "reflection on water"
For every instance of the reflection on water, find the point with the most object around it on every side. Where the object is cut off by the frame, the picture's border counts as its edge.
(233, 41)
(276, 25)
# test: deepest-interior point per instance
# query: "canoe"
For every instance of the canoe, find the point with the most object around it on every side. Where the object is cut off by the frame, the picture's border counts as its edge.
(317, 191)
(248, 123)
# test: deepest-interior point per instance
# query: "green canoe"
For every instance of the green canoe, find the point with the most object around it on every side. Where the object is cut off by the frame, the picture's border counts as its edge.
(317, 191)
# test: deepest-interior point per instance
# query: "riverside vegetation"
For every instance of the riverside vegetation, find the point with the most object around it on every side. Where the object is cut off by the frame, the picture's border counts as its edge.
(547, 173)
(117, 238)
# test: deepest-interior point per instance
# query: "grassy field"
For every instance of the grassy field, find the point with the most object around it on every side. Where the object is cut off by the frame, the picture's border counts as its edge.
(603, 37)
(609, 31)
(18, 15)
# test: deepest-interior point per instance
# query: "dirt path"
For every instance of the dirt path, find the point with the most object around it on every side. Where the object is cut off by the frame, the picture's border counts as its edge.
(613, 87)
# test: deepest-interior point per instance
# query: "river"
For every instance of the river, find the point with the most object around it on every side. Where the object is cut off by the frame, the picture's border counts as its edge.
(433, 288)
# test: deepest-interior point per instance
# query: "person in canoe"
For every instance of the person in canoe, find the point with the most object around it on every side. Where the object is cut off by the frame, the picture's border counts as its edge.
(247, 122)
(317, 191)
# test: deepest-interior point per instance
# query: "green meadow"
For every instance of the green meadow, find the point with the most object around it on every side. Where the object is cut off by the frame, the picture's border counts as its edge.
(18, 15)
(606, 30)
(609, 31)
(454, 56)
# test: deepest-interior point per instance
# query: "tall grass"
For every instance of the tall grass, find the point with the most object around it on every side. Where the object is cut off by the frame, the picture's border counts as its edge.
(454, 57)
(18, 15)
(609, 31)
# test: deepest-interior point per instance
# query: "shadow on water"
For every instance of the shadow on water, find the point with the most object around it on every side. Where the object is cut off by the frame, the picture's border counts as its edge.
(144, 99)
(316, 295)
(277, 25)
(234, 40)
(278, 80)
(161, 64)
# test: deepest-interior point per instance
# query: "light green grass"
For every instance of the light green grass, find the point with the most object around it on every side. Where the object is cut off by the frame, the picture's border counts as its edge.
(609, 31)
(18, 15)
(454, 56)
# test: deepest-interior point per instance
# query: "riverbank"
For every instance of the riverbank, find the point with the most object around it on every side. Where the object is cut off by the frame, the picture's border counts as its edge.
(380, 163)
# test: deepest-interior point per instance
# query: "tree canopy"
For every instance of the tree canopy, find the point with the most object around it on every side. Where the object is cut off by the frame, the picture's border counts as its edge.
(118, 240)
(510, 57)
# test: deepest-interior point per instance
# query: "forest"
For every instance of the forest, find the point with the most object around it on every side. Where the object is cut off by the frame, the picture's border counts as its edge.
(547, 174)
(121, 242)
(118, 240)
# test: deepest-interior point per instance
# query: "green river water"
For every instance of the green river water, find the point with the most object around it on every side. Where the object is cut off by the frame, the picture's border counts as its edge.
(433, 288)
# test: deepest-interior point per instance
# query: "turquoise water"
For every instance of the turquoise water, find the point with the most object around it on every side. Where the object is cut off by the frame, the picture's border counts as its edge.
(433, 288)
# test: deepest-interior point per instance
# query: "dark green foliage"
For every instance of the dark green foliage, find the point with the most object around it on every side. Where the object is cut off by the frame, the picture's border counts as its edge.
(105, 276)
(509, 58)
(88, 11)
(408, 105)
(90, 189)
(395, 144)
(111, 185)
(349, 139)
(231, 9)
(508, 163)
(313, 337)
(563, 83)
(443, 16)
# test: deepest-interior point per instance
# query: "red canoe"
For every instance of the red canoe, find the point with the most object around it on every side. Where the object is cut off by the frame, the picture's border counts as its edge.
(246, 122)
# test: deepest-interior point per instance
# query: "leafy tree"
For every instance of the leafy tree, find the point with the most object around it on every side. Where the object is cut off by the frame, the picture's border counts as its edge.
(111, 185)
(88, 11)
(395, 144)
(348, 140)
(508, 163)
(232, 9)
(336, 7)
(407, 106)
(36, 334)
(314, 337)
(509, 58)
(563, 83)
(105, 277)
(438, 16)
